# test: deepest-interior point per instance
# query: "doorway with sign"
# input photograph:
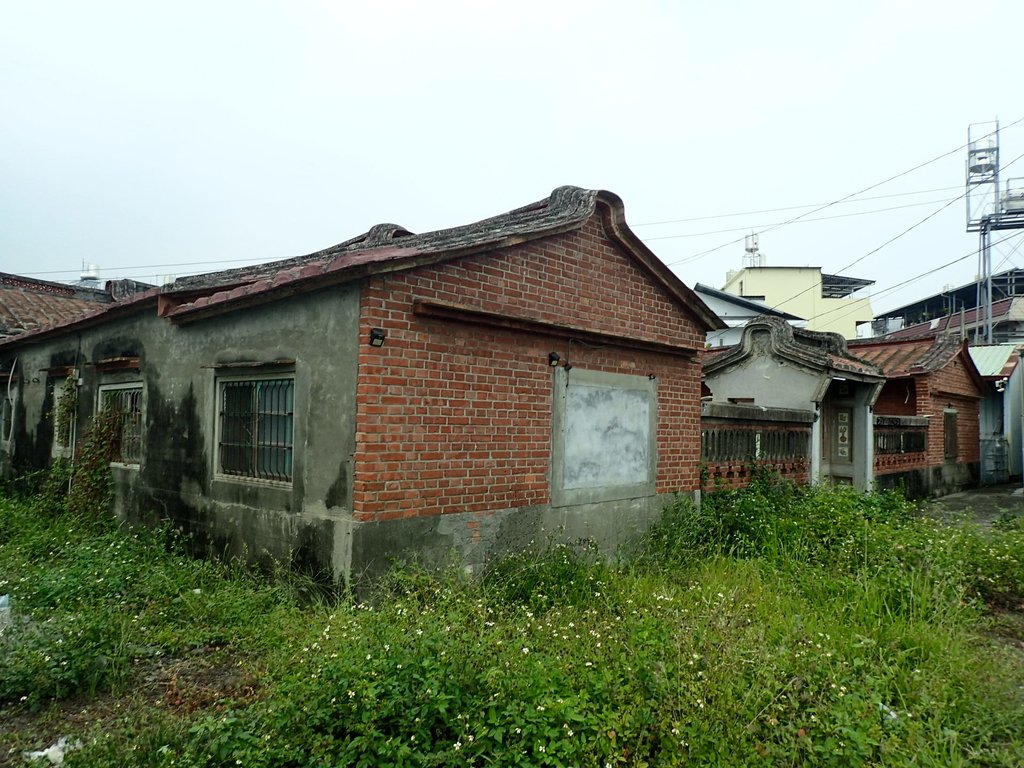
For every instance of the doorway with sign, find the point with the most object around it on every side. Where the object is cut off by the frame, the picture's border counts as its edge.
(840, 441)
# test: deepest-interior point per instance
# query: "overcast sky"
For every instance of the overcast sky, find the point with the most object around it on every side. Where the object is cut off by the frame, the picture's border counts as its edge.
(165, 139)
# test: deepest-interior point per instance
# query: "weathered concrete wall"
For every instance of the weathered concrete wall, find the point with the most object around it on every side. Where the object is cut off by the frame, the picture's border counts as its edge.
(178, 366)
(928, 482)
(769, 382)
(441, 443)
(473, 539)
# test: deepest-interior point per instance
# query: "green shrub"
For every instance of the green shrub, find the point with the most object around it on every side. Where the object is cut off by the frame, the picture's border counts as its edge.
(784, 627)
(561, 575)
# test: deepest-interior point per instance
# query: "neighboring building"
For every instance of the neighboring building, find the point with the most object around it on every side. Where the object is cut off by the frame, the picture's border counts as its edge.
(1000, 417)
(797, 377)
(927, 415)
(827, 301)
(1007, 324)
(533, 376)
(736, 312)
(956, 306)
(27, 303)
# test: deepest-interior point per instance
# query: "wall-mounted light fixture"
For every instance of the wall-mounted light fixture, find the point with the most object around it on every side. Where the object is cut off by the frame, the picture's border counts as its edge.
(555, 360)
(377, 337)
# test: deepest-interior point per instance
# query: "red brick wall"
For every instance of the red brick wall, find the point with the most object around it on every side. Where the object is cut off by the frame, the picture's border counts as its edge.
(737, 474)
(952, 387)
(949, 387)
(898, 398)
(456, 417)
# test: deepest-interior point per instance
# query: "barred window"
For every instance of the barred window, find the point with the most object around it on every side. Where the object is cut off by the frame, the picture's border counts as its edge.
(256, 419)
(906, 440)
(125, 401)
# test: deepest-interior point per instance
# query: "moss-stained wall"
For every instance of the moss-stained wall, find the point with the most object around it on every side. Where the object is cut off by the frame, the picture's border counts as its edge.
(305, 522)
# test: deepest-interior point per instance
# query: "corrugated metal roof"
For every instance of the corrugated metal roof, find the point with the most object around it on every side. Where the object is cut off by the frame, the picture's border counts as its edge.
(992, 359)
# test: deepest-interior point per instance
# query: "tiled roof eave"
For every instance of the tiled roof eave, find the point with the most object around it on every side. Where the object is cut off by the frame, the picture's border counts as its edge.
(88, 320)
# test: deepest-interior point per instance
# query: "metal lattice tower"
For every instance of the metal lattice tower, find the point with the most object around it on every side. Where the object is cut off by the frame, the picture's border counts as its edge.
(988, 209)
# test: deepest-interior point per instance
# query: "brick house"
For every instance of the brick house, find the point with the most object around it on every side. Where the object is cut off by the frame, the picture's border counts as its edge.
(927, 415)
(470, 390)
(27, 303)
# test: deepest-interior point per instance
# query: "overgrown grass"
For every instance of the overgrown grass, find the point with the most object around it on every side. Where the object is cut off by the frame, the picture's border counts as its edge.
(91, 601)
(777, 626)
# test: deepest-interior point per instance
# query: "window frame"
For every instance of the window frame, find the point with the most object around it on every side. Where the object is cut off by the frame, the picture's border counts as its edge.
(133, 385)
(223, 382)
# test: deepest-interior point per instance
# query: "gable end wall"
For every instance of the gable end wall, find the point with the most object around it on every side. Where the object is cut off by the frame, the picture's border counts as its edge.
(456, 417)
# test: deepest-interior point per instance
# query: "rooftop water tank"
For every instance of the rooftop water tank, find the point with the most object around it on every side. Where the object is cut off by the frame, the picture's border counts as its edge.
(981, 157)
(1013, 201)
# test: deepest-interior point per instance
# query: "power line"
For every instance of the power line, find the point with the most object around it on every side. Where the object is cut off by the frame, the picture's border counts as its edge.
(1009, 256)
(875, 250)
(660, 237)
(767, 228)
(701, 254)
(892, 288)
(787, 208)
(158, 266)
(803, 221)
(894, 239)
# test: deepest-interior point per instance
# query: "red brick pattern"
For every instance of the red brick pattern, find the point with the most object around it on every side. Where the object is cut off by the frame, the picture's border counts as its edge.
(948, 387)
(736, 472)
(898, 398)
(952, 387)
(726, 475)
(888, 463)
(457, 417)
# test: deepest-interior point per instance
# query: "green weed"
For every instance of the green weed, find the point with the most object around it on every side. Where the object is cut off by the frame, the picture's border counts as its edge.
(774, 627)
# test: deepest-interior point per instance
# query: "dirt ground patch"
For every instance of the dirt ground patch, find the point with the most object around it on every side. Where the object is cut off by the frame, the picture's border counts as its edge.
(981, 505)
(176, 686)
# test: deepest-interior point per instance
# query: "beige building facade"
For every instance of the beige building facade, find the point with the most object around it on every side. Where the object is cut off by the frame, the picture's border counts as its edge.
(827, 301)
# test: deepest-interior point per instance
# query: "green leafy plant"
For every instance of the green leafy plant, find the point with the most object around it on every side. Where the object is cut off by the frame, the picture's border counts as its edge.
(92, 485)
(773, 627)
(65, 411)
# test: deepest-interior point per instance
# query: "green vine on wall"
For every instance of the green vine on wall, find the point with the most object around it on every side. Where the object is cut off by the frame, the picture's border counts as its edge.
(90, 479)
(65, 410)
(92, 484)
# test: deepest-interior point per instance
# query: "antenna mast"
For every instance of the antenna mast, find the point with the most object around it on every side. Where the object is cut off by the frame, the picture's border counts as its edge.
(988, 210)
